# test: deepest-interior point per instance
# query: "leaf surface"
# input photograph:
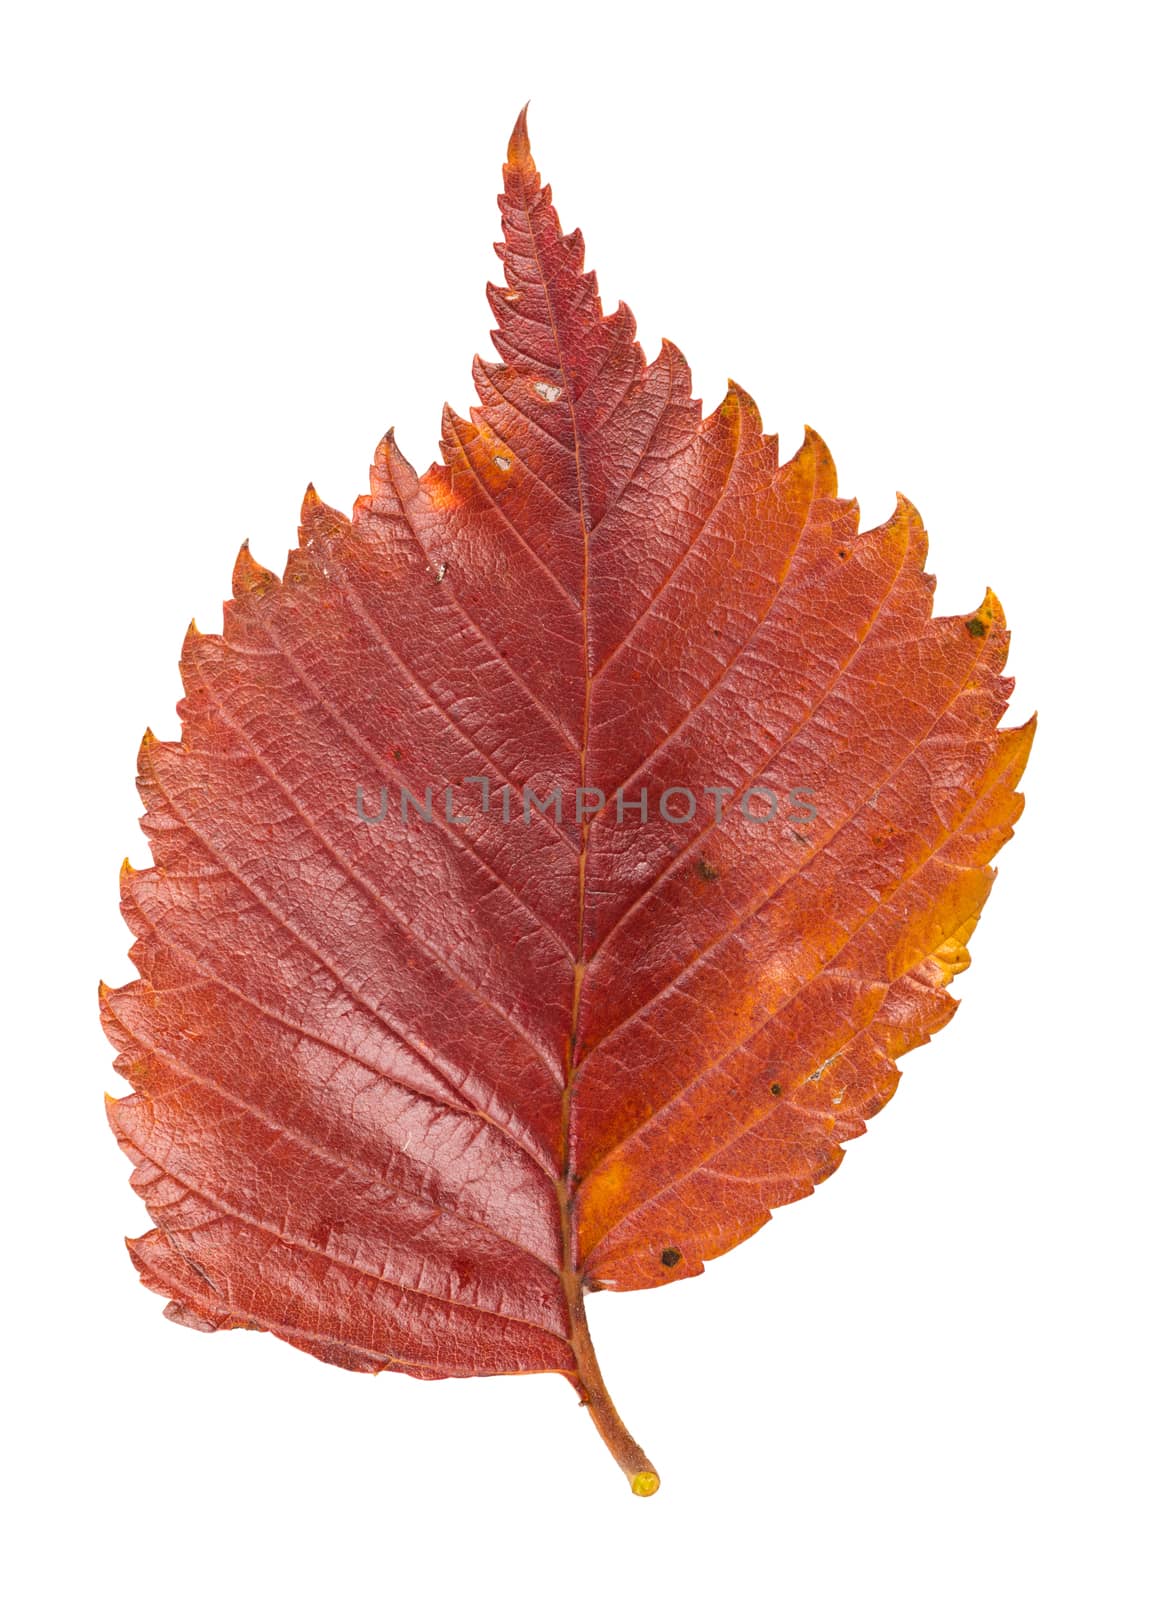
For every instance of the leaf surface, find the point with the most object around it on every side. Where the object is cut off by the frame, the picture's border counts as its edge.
(404, 1091)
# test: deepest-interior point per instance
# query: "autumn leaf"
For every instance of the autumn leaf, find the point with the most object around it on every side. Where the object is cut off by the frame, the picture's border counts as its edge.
(554, 863)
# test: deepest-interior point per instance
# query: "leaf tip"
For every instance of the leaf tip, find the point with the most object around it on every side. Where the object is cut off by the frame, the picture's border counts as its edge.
(249, 576)
(518, 151)
(987, 619)
(312, 514)
(813, 465)
(387, 451)
(739, 400)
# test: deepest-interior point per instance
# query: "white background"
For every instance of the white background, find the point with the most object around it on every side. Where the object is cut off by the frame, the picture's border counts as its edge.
(243, 240)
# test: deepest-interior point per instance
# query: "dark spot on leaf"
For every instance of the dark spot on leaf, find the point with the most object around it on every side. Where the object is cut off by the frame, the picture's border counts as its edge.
(774, 1088)
(707, 871)
(976, 627)
(842, 554)
(670, 1256)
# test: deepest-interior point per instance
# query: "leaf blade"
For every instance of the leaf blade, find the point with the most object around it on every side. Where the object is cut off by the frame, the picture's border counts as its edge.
(403, 1094)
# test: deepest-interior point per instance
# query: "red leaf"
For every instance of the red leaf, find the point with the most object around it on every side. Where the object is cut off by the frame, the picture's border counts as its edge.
(403, 1092)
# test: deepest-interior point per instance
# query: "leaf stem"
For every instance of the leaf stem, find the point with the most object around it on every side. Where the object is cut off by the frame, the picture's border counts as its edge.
(637, 1467)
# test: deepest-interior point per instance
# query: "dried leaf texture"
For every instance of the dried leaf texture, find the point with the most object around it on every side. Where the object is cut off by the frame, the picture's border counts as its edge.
(402, 1095)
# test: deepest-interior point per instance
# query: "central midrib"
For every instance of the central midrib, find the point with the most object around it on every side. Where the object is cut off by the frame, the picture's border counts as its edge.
(641, 1475)
(571, 1281)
